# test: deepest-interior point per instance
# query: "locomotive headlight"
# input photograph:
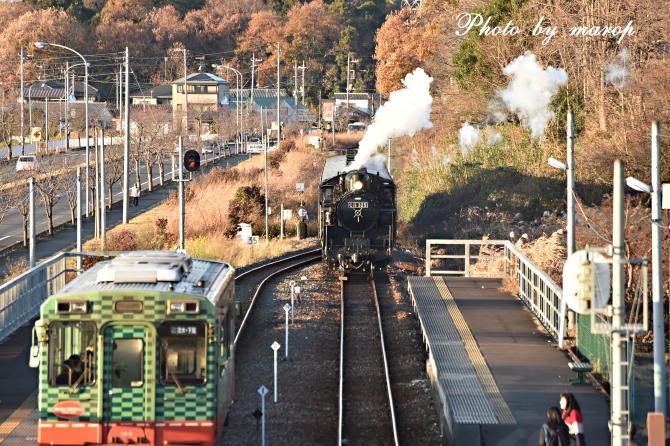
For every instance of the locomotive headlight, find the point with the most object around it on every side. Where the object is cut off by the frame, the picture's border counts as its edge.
(357, 181)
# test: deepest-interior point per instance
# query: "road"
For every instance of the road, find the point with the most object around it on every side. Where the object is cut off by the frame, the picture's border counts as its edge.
(11, 227)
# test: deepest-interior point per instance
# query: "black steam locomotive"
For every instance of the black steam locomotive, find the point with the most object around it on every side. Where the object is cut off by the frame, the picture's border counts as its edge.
(357, 216)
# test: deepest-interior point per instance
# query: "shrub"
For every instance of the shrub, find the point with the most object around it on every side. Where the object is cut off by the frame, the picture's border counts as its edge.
(247, 206)
(122, 240)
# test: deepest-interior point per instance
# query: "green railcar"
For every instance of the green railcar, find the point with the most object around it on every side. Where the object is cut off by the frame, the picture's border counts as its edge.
(137, 350)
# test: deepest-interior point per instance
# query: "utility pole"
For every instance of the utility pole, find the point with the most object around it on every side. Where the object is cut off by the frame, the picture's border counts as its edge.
(67, 101)
(103, 211)
(619, 350)
(253, 82)
(657, 271)
(346, 86)
(46, 123)
(23, 148)
(303, 68)
(182, 211)
(571, 183)
(295, 86)
(278, 105)
(267, 227)
(126, 141)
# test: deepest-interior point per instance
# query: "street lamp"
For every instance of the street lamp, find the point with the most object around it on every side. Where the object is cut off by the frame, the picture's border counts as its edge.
(183, 50)
(656, 265)
(41, 45)
(638, 185)
(238, 81)
(556, 164)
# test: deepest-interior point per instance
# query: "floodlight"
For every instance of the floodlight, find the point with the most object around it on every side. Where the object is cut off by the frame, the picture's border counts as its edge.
(556, 164)
(638, 185)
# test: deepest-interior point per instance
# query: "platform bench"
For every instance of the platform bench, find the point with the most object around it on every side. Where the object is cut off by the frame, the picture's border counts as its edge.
(580, 368)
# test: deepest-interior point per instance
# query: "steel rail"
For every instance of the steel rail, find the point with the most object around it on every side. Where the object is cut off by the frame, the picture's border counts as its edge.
(386, 366)
(339, 402)
(275, 263)
(260, 287)
(340, 408)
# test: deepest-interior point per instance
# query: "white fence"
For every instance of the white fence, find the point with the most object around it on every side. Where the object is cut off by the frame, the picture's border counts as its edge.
(537, 290)
(21, 297)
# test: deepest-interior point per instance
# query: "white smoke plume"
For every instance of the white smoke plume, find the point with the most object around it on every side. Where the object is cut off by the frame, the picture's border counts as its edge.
(617, 70)
(468, 137)
(530, 91)
(494, 138)
(406, 112)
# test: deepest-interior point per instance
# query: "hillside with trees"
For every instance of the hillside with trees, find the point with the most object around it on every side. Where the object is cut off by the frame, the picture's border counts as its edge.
(615, 86)
(319, 33)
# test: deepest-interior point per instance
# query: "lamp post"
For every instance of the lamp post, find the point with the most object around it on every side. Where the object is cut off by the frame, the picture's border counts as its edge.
(183, 50)
(238, 82)
(656, 265)
(41, 45)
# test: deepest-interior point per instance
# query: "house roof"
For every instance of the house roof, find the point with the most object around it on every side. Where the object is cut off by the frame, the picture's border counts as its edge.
(37, 93)
(358, 96)
(44, 84)
(202, 78)
(259, 93)
(157, 91)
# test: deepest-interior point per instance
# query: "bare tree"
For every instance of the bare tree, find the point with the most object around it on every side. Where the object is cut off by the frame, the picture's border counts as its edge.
(113, 170)
(71, 195)
(51, 184)
(9, 118)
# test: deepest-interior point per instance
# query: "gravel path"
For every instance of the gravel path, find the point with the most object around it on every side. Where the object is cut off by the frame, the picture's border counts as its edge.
(306, 409)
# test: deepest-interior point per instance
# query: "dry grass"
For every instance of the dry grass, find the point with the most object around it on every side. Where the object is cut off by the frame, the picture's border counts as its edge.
(15, 267)
(208, 198)
(207, 211)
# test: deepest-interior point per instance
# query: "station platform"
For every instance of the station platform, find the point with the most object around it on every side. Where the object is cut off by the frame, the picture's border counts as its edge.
(496, 371)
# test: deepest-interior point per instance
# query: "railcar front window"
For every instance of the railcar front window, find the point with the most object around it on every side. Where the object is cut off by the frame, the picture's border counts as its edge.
(72, 353)
(183, 346)
(127, 362)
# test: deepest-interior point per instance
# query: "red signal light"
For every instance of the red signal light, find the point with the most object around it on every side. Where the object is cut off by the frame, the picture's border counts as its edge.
(191, 160)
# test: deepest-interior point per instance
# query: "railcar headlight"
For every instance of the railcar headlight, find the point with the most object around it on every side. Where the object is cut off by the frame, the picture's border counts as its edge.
(358, 185)
(177, 307)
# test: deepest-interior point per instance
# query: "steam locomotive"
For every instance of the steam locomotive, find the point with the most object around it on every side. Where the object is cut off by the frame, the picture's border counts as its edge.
(357, 215)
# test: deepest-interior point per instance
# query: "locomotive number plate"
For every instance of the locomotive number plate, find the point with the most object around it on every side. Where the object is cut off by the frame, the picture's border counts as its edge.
(357, 204)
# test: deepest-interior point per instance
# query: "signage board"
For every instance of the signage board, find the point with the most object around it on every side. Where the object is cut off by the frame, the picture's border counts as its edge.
(328, 111)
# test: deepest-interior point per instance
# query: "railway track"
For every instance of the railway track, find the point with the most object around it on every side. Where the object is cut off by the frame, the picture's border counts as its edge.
(284, 265)
(366, 414)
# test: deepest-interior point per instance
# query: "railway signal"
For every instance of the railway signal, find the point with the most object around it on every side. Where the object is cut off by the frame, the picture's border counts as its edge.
(191, 160)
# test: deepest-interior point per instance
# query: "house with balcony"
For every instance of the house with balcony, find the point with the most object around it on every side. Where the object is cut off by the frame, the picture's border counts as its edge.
(196, 101)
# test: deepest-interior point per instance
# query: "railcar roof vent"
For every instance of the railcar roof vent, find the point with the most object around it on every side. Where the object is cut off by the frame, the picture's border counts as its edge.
(146, 267)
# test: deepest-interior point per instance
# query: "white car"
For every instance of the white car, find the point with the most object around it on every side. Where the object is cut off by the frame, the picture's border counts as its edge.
(26, 163)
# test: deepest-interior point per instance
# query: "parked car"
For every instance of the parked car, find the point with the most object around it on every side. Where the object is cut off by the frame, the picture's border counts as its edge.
(26, 163)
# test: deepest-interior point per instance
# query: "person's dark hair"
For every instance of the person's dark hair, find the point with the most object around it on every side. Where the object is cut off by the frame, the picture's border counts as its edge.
(74, 359)
(553, 419)
(572, 403)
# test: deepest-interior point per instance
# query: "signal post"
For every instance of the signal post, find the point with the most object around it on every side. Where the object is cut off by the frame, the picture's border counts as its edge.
(190, 160)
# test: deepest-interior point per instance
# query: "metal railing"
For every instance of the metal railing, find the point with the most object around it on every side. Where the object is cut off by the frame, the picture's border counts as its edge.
(501, 258)
(21, 297)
